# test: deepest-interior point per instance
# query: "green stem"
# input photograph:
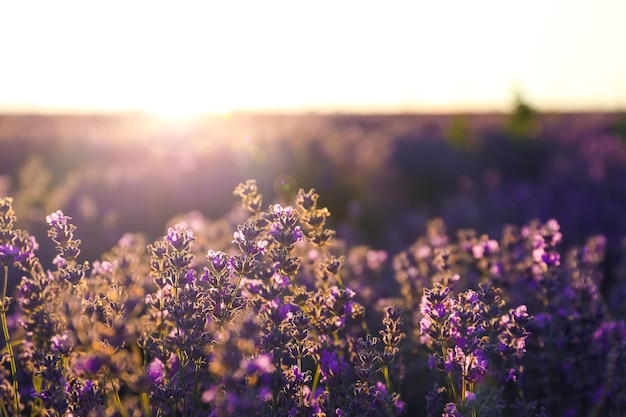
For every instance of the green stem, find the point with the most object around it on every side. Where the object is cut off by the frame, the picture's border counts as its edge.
(179, 353)
(450, 378)
(387, 379)
(195, 388)
(301, 392)
(161, 324)
(230, 303)
(181, 366)
(452, 387)
(232, 300)
(143, 355)
(316, 380)
(116, 395)
(7, 338)
(463, 390)
(38, 403)
(145, 403)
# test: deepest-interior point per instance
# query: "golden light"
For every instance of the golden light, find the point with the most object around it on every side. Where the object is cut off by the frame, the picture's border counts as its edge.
(190, 57)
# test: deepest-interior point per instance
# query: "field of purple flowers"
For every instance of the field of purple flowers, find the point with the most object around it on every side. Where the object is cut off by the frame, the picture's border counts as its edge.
(446, 266)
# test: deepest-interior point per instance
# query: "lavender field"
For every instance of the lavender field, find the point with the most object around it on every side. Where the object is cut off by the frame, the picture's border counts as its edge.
(313, 265)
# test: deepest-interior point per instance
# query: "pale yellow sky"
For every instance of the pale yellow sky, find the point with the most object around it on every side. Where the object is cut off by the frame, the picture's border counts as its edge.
(181, 57)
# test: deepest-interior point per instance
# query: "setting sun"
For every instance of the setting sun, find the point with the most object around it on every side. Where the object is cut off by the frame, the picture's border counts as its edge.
(277, 55)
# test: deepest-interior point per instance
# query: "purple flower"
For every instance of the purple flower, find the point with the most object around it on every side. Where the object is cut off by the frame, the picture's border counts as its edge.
(156, 371)
(520, 315)
(190, 276)
(475, 365)
(8, 253)
(218, 260)
(478, 251)
(57, 219)
(329, 364)
(245, 237)
(511, 375)
(298, 235)
(27, 247)
(62, 343)
(307, 200)
(127, 240)
(90, 363)
(284, 229)
(73, 273)
(59, 262)
(432, 361)
(87, 389)
(551, 259)
(179, 238)
(453, 357)
(296, 376)
(103, 267)
(261, 364)
(470, 396)
(282, 212)
(450, 410)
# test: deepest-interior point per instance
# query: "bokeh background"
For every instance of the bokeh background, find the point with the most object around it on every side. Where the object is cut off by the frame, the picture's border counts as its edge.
(125, 114)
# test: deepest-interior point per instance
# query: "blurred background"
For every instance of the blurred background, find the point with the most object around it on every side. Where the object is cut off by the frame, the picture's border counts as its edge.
(124, 114)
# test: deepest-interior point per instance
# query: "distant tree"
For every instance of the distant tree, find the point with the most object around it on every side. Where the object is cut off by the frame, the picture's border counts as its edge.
(523, 122)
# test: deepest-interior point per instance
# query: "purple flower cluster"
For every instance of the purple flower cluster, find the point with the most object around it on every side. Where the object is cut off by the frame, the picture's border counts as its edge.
(158, 332)
(474, 341)
(268, 314)
(479, 295)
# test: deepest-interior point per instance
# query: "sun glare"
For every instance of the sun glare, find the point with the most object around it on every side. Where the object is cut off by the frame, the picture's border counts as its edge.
(181, 112)
(214, 57)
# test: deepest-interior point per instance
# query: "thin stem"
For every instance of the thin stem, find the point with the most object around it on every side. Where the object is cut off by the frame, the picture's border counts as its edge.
(301, 392)
(38, 403)
(386, 376)
(145, 403)
(179, 353)
(232, 300)
(181, 366)
(316, 380)
(195, 388)
(161, 316)
(452, 386)
(463, 389)
(472, 388)
(116, 395)
(7, 338)
(450, 378)
(142, 356)
(4, 284)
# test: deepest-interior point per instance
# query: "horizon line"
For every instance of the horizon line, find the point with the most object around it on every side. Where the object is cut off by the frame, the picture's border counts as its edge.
(309, 110)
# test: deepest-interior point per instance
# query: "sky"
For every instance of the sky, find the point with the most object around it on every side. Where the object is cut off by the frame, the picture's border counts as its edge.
(183, 57)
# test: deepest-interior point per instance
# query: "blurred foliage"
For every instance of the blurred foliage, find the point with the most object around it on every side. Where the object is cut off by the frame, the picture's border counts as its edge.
(381, 176)
(523, 122)
(618, 127)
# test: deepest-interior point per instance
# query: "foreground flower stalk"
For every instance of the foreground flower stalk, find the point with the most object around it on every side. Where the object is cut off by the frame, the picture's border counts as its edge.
(4, 306)
(9, 253)
(268, 314)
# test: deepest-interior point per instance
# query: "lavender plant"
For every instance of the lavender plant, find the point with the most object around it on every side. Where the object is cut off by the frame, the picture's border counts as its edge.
(8, 254)
(282, 319)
